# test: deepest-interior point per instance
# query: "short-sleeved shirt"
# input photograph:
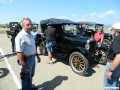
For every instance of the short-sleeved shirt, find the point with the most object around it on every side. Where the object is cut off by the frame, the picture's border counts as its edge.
(98, 36)
(114, 48)
(50, 34)
(34, 34)
(25, 43)
(13, 33)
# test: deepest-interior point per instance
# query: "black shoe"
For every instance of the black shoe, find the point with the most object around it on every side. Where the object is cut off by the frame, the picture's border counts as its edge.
(34, 88)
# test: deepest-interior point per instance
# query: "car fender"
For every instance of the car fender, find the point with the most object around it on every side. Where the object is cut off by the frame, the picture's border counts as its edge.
(84, 51)
(104, 47)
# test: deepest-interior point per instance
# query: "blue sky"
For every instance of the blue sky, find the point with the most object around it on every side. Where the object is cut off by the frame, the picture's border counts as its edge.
(101, 11)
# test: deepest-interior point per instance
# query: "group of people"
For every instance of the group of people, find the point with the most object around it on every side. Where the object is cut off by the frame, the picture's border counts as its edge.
(25, 47)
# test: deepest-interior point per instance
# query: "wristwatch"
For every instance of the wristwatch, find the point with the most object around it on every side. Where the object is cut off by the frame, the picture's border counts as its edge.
(111, 70)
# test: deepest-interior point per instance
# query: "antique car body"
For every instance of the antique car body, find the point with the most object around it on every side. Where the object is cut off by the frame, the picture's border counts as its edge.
(79, 49)
(18, 26)
(92, 28)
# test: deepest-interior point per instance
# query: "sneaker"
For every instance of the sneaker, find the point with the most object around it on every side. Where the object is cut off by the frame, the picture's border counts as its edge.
(50, 62)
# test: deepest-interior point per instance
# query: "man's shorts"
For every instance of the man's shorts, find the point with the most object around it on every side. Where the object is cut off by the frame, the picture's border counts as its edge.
(49, 45)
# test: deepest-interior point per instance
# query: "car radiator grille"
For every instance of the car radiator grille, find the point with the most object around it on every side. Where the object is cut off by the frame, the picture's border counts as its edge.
(92, 48)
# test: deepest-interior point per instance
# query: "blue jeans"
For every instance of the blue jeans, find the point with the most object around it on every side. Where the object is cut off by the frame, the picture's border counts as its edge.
(113, 82)
(27, 80)
(13, 44)
(49, 45)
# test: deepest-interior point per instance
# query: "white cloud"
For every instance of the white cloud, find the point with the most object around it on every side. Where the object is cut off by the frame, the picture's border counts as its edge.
(83, 16)
(93, 14)
(5, 1)
(110, 12)
(101, 15)
(74, 16)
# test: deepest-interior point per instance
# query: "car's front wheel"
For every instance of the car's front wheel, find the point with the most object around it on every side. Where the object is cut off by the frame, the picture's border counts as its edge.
(107, 42)
(102, 56)
(78, 63)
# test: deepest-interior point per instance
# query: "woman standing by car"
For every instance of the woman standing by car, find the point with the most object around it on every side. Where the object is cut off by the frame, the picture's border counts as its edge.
(99, 35)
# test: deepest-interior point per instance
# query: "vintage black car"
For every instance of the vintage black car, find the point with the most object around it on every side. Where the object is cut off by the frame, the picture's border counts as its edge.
(79, 49)
(18, 26)
(92, 27)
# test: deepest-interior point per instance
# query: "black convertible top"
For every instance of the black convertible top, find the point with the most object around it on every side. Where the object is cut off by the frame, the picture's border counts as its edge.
(91, 23)
(56, 21)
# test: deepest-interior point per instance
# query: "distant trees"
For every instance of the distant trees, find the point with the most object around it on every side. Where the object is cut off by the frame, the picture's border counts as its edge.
(4, 25)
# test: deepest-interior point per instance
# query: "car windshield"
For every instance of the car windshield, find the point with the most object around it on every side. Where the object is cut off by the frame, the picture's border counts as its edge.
(70, 29)
(91, 26)
(99, 27)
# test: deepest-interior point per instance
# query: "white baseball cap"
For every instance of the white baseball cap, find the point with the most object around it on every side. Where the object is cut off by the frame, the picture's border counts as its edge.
(13, 26)
(116, 25)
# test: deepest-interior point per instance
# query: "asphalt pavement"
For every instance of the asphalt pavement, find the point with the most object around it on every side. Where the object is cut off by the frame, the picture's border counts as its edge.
(58, 76)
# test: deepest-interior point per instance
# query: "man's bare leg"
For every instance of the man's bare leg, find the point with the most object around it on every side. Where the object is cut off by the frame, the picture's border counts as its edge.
(50, 58)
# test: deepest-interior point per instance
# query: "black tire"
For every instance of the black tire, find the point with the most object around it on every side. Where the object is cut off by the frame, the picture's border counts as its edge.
(107, 42)
(102, 56)
(78, 63)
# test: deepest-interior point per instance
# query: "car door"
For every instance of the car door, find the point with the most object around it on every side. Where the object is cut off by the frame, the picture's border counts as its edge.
(62, 43)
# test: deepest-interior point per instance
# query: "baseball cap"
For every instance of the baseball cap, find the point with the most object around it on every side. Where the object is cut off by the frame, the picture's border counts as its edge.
(116, 26)
(13, 26)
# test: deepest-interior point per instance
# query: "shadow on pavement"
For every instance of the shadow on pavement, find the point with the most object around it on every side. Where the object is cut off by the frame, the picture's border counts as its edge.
(51, 85)
(7, 55)
(63, 60)
(3, 72)
(91, 71)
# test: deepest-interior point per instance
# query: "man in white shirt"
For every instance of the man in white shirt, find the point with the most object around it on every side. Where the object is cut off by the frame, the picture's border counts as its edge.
(26, 51)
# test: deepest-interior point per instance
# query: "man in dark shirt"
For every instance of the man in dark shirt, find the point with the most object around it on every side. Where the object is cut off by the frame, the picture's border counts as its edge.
(13, 33)
(112, 71)
(50, 35)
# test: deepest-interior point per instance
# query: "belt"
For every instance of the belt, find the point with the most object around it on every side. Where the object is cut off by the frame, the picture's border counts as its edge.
(30, 56)
(110, 61)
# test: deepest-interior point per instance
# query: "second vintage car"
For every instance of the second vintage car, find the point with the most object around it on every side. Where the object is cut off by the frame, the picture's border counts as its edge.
(79, 49)
(92, 27)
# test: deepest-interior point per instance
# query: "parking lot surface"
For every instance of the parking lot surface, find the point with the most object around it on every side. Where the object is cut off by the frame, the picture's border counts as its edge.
(58, 76)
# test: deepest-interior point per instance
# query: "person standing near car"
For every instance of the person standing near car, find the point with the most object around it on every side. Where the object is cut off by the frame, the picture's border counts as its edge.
(99, 35)
(50, 34)
(12, 34)
(112, 70)
(26, 52)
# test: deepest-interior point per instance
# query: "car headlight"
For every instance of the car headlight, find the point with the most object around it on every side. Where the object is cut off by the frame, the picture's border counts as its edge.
(87, 46)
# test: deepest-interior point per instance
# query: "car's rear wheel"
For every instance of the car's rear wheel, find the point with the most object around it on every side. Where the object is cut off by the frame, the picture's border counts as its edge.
(107, 42)
(102, 56)
(42, 48)
(78, 63)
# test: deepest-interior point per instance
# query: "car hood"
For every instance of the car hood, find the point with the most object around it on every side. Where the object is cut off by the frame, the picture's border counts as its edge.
(107, 34)
(80, 38)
